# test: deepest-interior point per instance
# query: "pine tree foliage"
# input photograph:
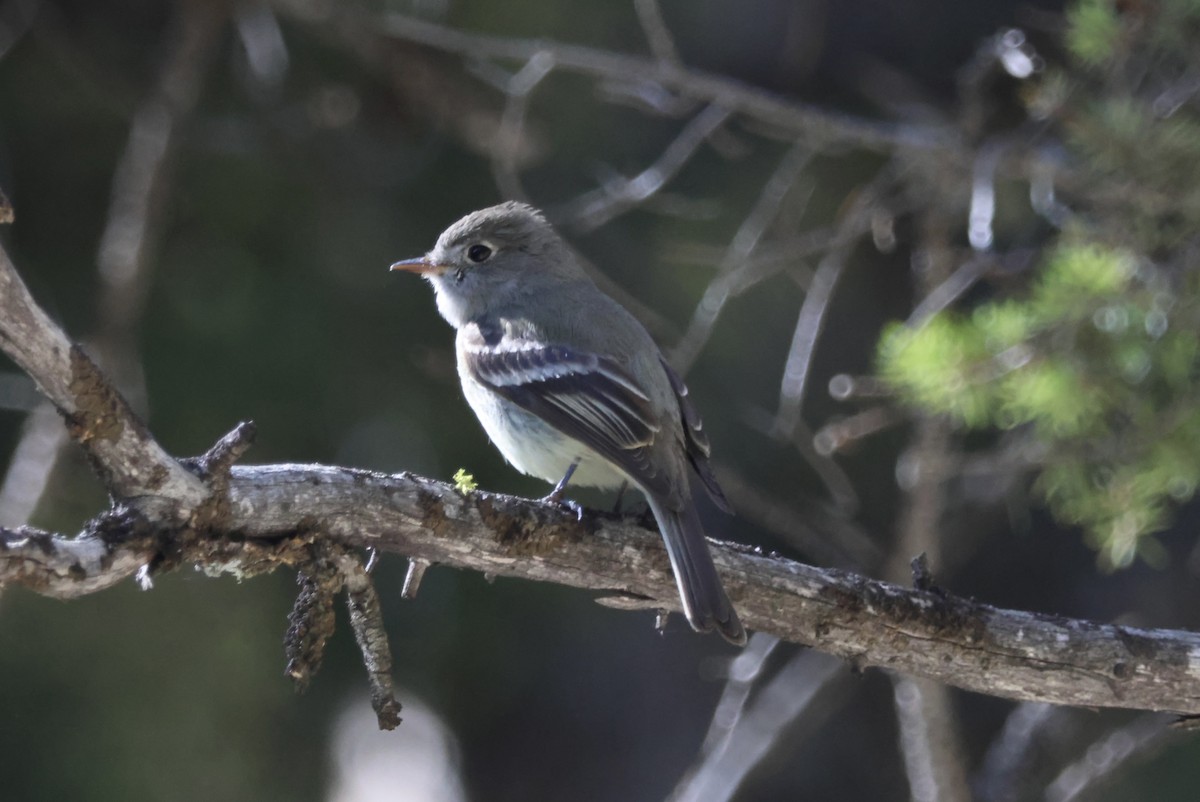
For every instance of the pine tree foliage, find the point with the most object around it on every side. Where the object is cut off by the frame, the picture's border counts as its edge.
(1096, 355)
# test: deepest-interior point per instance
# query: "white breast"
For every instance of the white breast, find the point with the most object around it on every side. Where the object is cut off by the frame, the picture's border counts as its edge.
(533, 446)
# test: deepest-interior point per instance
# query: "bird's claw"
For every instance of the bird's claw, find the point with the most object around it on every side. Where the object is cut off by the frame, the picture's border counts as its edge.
(556, 498)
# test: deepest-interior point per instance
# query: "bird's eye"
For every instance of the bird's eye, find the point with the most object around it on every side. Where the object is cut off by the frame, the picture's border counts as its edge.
(479, 253)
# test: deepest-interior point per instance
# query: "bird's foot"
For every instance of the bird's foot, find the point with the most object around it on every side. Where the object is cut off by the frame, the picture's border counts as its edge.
(556, 498)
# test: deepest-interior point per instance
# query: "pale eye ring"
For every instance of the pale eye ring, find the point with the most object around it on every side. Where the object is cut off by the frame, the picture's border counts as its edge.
(479, 253)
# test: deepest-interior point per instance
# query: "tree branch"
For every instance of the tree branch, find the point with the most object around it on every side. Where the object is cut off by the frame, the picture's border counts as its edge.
(1008, 653)
(821, 125)
(130, 462)
(248, 520)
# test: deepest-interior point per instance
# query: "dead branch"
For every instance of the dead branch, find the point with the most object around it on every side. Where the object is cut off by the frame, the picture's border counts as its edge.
(959, 641)
(248, 520)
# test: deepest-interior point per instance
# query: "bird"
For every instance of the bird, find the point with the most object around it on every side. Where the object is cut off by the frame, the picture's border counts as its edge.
(570, 387)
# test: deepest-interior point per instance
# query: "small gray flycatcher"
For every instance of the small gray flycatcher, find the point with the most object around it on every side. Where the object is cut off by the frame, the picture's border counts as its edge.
(570, 387)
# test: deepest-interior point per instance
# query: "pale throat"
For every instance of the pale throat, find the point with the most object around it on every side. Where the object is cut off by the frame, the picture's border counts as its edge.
(453, 306)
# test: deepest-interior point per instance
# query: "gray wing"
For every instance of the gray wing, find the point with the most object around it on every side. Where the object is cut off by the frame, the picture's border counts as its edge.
(695, 441)
(587, 397)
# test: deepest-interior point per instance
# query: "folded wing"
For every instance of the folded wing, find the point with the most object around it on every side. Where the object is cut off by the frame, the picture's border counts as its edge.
(585, 396)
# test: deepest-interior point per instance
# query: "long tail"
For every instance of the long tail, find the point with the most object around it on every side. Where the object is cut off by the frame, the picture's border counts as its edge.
(704, 601)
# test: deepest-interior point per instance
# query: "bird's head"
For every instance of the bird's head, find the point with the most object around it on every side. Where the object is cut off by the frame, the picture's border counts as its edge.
(488, 256)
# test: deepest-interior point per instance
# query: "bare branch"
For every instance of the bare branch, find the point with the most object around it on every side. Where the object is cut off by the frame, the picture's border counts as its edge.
(124, 258)
(599, 206)
(811, 321)
(31, 464)
(809, 324)
(982, 212)
(820, 531)
(506, 157)
(927, 722)
(818, 125)
(366, 619)
(845, 387)
(658, 36)
(958, 641)
(139, 190)
(113, 548)
(1109, 755)
(412, 578)
(950, 290)
(748, 235)
(129, 460)
(931, 756)
(744, 670)
(837, 481)
(780, 701)
(1009, 765)
(837, 435)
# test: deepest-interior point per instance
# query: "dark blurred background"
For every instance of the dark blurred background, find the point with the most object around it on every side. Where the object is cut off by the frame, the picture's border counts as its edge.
(306, 151)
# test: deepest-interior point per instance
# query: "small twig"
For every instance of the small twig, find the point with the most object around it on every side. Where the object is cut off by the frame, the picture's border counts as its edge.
(982, 211)
(138, 200)
(31, 464)
(744, 671)
(838, 435)
(650, 99)
(1109, 755)
(366, 619)
(744, 241)
(813, 450)
(928, 726)
(811, 319)
(507, 152)
(658, 36)
(844, 387)
(262, 39)
(821, 532)
(817, 125)
(229, 449)
(928, 734)
(1009, 766)
(782, 700)
(413, 577)
(601, 205)
(950, 290)
(809, 324)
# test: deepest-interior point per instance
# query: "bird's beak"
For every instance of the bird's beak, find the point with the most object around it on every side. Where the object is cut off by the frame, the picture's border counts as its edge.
(421, 265)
